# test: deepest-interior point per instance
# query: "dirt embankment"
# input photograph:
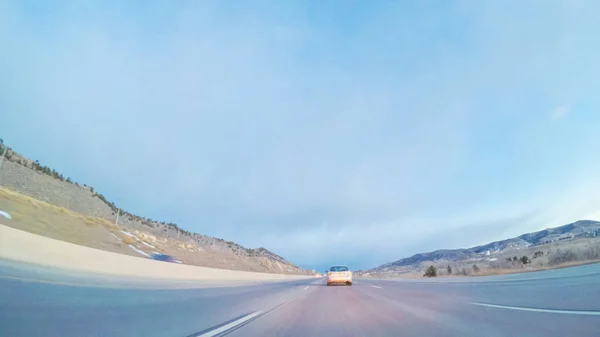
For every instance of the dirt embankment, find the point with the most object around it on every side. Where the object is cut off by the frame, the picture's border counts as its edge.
(46, 203)
(17, 245)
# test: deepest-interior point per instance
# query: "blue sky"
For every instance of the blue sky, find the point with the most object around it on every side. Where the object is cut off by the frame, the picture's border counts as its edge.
(345, 132)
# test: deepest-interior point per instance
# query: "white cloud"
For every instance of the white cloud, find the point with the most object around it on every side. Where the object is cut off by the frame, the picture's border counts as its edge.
(593, 216)
(560, 112)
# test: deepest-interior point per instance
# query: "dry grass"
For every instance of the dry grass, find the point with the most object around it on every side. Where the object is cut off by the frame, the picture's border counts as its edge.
(128, 240)
(59, 223)
(94, 221)
(562, 254)
(555, 255)
(90, 221)
(486, 271)
(494, 271)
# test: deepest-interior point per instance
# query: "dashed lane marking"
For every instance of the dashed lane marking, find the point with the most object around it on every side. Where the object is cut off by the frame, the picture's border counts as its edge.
(227, 326)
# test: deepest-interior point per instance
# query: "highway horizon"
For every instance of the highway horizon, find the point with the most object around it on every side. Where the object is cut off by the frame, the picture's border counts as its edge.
(39, 301)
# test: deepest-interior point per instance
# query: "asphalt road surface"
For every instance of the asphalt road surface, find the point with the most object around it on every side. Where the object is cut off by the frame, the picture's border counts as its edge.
(39, 302)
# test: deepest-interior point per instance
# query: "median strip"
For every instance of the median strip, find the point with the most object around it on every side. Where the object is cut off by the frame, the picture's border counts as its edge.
(550, 311)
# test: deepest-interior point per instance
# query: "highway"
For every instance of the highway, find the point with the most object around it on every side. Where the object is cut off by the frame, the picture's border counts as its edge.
(35, 301)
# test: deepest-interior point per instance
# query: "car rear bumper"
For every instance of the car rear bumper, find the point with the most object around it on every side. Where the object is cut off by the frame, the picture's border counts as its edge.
(339, 280)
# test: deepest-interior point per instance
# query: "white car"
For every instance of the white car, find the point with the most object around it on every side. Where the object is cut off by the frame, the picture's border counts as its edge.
(339, 274)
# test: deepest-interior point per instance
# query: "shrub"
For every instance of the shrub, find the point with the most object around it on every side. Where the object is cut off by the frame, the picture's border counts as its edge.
(449, 270)
(430, 272)
(592, 253)
(562, 256)
(128, 240)
(90, 221)
(475, 268)
(525, 259)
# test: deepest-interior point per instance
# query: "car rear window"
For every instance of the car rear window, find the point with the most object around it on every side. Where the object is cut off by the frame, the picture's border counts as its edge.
(338, 268)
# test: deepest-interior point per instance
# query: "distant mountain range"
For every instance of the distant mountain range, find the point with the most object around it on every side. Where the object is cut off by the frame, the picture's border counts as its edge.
(582, 228)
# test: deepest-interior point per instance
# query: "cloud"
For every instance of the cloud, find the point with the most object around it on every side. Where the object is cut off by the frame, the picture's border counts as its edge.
(593, 216)
(359, 135)
(560, 112)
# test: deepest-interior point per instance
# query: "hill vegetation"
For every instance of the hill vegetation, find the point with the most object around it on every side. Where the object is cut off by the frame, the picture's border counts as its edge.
(571, 244)
(41, 182)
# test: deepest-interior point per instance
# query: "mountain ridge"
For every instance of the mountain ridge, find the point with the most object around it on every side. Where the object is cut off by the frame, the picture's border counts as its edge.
(580, 228)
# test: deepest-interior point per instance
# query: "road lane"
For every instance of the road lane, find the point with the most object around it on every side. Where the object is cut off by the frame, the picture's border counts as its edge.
(339, 311)
(303, 308)
(49, 309)
(569, 289)
(399, 309)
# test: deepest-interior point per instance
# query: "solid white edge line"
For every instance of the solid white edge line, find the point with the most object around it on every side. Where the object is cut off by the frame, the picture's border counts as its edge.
(230, 325)
(550, 311)
(305, 288)
(378, 287)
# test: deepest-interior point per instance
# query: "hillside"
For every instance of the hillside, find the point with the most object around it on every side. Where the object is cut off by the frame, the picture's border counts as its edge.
(39, 194)
(547, 242)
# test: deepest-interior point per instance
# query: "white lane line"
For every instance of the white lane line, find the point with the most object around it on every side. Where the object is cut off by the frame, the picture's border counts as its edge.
(230, 325)
(305, 288)
(550, 311)
(378, 287)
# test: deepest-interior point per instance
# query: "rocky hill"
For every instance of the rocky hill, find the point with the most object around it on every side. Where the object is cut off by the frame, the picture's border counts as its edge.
(579, 229)
(31, 178)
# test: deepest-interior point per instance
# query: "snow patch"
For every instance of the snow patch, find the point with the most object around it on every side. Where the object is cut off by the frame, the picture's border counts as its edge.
(147, 244)
(129, 234)
(5, 214)
(139, 251)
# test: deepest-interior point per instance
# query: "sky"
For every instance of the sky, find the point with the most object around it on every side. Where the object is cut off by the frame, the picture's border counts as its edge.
(354, 132)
